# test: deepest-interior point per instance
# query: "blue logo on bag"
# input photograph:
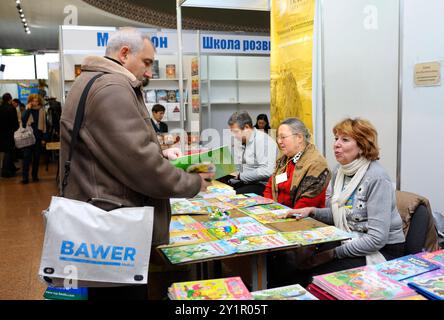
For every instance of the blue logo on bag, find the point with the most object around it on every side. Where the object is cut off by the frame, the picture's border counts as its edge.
(97, 254)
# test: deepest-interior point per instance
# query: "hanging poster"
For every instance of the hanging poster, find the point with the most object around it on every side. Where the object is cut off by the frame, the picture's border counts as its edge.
(24, 89)
(195, 94)
(292, 24)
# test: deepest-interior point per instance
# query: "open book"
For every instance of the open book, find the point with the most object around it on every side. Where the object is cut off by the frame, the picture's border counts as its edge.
(217, 160)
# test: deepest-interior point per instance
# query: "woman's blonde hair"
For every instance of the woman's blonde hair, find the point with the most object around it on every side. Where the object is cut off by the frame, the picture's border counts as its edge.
(363, 132)
(36, 96)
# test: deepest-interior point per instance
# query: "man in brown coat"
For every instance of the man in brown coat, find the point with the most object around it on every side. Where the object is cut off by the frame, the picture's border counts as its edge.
(118, 157)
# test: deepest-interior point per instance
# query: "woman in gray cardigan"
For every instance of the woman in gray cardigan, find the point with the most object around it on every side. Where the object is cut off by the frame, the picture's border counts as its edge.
(362, 202)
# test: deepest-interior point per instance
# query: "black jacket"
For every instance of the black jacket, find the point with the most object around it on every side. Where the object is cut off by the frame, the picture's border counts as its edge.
(163, 127)
(8, 124)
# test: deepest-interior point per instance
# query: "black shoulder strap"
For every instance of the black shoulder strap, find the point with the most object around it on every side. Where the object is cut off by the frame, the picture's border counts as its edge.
(76, 129)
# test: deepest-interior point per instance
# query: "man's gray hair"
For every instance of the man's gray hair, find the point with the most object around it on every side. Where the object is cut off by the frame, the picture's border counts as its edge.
(241, 118)
(297, 126)
(126, 36)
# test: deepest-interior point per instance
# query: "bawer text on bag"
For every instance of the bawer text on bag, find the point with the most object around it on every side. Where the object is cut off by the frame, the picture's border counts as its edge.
(93, 251)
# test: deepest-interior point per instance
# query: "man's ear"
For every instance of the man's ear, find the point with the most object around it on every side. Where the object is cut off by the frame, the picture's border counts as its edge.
(123, 54)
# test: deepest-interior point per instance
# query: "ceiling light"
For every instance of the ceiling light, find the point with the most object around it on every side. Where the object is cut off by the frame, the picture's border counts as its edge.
(17, 1)
(23, 20)
(28, 31)
(22, 15)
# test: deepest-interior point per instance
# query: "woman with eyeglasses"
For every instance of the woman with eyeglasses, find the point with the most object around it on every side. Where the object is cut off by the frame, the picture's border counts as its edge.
(301, 176)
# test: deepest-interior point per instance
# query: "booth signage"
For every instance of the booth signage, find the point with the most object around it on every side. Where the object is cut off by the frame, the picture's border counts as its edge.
(428, 74)
(225, 43)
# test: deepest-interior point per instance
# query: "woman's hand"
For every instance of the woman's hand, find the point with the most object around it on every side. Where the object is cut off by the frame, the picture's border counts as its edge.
(28, 106)
(300, 213)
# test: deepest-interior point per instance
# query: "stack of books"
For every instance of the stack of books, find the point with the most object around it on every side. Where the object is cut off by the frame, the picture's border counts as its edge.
(292, 292)
(398, 279)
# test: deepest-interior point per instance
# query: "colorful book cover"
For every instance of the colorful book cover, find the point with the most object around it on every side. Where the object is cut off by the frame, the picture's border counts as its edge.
(186, 237)
(405, 267)
(215, 193)
(198, 251)
(436, 257)
(52, 293)
(270, 217)
(432, 288)
(161, 96)
(362, 283)
(183, 223)
(317, 235)
(293, 292)
(218, 223)
(425, 276)
(155, 69)
(186, 207)
(249, 202)
(215, 289)
(275, 208)
(242, 227)
(254, 243)
(231, 198)
(220, 157)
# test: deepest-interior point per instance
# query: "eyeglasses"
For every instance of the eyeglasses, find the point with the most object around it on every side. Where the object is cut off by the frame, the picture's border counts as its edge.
(282, 138)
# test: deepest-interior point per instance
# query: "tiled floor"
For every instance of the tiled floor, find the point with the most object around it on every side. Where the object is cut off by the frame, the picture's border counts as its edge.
(21, 233)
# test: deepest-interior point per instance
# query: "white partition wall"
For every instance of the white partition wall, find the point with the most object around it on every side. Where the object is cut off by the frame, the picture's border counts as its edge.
(422, 150)
(361, 69)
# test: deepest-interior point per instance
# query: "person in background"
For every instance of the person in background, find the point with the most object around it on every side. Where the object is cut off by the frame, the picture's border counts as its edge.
(34, 116)
(158, 112)
(262, 123)
(8, 125)
(254, 154)
(362, 202)
(301, 176)
(20, 107)
(118, 157)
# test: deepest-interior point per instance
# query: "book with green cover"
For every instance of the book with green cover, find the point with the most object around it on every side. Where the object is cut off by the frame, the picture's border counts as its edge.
(317, 235)
(214, 289)
(221, 158)
(198, 251)
(292, 292)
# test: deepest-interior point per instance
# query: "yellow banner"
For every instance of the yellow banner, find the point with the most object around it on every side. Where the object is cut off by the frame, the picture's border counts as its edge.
(292, 23)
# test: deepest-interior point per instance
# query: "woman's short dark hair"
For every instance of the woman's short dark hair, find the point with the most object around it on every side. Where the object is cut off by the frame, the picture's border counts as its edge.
(6, 97)
(241, 118)
(158, 108)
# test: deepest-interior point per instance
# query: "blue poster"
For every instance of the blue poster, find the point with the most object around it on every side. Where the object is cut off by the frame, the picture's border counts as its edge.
(25, 91)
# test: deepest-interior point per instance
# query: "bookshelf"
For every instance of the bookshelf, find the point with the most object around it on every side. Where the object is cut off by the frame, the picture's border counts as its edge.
(233, 83)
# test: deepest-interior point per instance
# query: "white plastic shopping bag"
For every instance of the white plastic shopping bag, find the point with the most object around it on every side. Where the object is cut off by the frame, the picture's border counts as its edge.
(88, 246)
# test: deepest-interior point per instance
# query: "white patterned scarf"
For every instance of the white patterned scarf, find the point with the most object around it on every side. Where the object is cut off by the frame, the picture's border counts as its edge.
(357, 169)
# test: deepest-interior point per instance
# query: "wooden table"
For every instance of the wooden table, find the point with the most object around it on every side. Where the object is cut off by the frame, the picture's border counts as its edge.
(258, 258)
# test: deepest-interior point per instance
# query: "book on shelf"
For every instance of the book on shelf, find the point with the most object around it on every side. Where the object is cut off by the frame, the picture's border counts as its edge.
(292, 292)
(405, 267)
(150, 96)
(436, 257)
(161, 96)
(77, 70)
(362, 283)
(220, 157)
(214, 289)
(170, 71)
(432, 288)
(171, 96)
(155, 69)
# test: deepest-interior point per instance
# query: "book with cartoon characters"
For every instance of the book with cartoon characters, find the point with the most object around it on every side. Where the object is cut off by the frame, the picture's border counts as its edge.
(432, 288)
(292, 292)
(362, 283)
(214, 289)
(405, 267)
(436, 257)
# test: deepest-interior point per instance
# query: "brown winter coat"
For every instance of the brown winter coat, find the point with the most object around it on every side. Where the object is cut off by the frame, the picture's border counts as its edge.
(118, 156)
(407, 203)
